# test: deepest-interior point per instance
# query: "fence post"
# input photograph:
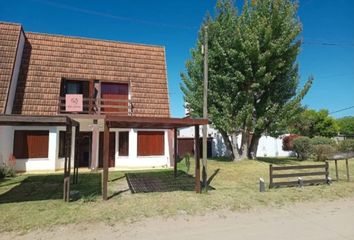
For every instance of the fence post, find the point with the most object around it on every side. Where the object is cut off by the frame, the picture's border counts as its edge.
(327, 172)
(346, 165)
(270, 175)
(261, 185)
(300, 182)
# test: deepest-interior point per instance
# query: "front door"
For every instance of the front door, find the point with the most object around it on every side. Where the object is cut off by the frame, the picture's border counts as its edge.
(84, 149)
(112, 150)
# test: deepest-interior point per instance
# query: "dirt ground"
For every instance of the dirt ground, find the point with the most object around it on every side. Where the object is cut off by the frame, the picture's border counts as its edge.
(321, 220)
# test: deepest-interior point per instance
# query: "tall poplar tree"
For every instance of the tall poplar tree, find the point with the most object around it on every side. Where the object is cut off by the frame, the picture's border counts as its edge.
(253, 73)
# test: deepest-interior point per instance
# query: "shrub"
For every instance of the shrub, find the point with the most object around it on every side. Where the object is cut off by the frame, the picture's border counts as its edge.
(322, 141)
(288, 142)
(303, 147)
(346, 145)
(7, 171)
(323, 151)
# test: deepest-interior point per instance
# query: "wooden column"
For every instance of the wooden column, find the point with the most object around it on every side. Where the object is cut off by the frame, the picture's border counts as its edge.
(105, 161)
(67, 164)
(336, 164)
(76, 156)
(175, 152)
(197, 159)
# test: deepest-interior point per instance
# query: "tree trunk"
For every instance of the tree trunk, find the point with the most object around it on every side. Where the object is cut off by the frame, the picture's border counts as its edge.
(227, 142)
(238, 152)
(252, 151)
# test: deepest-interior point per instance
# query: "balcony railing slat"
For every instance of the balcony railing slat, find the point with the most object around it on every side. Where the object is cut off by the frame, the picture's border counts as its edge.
(100, 106)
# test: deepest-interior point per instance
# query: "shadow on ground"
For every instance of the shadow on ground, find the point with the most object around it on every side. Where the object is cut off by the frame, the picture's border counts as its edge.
(277, 161)
(46, 187)
(163, 181)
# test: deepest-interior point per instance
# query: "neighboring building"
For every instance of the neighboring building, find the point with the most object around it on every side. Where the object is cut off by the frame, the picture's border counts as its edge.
(267, 147)
(40, 72)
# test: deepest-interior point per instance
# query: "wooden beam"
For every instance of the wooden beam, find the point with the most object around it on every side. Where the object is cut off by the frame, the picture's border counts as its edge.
(66, 193)
(76, 156)
(197, 159)
(105, 161)
(175, 152)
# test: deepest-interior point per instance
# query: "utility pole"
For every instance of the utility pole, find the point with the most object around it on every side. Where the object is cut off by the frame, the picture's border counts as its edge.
(205, 110)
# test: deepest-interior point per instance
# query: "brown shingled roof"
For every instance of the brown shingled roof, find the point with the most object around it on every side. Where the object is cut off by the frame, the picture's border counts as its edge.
(9, 35)
(49, 58)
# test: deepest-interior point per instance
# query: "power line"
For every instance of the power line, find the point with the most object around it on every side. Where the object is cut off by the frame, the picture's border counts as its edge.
(328, 44)
(341, 110)
(108, 15)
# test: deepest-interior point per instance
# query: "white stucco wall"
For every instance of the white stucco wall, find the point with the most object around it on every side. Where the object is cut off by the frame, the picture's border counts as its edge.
(135, 161)
(267, 147)
(6, 143)
(39, 164)
(271, 147)
(51, 163)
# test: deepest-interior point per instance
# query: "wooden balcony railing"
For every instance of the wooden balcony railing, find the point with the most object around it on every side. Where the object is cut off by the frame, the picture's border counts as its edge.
(100, 106)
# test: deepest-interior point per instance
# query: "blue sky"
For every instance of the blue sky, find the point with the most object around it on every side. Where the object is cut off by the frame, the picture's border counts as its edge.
(327, 52)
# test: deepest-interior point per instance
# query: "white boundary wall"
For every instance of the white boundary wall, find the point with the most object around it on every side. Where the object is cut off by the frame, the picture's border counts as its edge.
(267, 147)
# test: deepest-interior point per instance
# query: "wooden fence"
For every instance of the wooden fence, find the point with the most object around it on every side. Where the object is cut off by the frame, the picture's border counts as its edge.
(320, 171)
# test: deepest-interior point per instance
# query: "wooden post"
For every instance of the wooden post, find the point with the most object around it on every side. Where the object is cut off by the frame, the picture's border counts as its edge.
(270, 176)
(67, 148)
(76, 156)
(327, 172)
(197, 159)
(105, 160)
(205, 111)
(335, 162)
(347, 167)
(91, 92)
(261, 185)
(175, 154)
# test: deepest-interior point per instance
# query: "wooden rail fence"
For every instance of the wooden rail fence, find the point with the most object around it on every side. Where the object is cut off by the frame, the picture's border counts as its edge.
(278, 172)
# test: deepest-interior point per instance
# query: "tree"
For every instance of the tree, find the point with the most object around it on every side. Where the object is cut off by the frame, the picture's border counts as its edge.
(346, 125)
(313, 123)
(253, 74)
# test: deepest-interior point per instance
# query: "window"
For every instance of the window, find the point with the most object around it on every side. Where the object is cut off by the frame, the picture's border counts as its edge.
(123, 147)
(31, 144)
(151, 143)
(61, 153)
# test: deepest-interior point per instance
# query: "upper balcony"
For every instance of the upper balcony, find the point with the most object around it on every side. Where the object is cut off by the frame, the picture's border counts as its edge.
(95, 97)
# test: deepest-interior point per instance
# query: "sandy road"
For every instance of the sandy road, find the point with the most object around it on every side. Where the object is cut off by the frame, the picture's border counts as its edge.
(329, 220)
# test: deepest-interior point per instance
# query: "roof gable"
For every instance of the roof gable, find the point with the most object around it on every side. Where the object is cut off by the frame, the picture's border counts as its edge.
(47, 59)
(9, 36)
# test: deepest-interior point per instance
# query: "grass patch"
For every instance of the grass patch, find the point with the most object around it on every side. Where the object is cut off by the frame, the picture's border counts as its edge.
(29, 202)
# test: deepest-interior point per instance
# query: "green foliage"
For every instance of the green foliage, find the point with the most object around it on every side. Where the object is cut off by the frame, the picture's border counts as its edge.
(253, 74)
(346, 145)
(346, 125)
(288, 144)
(313, 123)
(322, 141)
(187, 162)
(7, 171)
(323, 151)
(303, 147)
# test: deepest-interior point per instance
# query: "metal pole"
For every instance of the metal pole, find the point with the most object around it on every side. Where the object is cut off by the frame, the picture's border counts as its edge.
(205, 110)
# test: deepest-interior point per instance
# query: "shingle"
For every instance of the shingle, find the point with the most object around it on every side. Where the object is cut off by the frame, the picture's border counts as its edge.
(49, 58)
(9, 34)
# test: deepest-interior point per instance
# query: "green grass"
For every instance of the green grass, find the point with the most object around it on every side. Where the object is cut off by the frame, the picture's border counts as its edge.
(29, 202)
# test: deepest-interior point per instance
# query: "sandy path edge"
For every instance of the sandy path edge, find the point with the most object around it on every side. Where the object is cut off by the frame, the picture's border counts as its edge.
(314, 220)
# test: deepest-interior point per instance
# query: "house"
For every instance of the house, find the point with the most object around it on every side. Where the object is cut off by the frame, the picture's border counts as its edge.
(90, 82)
(267, 147)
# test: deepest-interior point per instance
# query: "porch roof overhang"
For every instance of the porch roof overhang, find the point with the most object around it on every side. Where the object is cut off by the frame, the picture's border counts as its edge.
(151, 122)
(22, 120)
